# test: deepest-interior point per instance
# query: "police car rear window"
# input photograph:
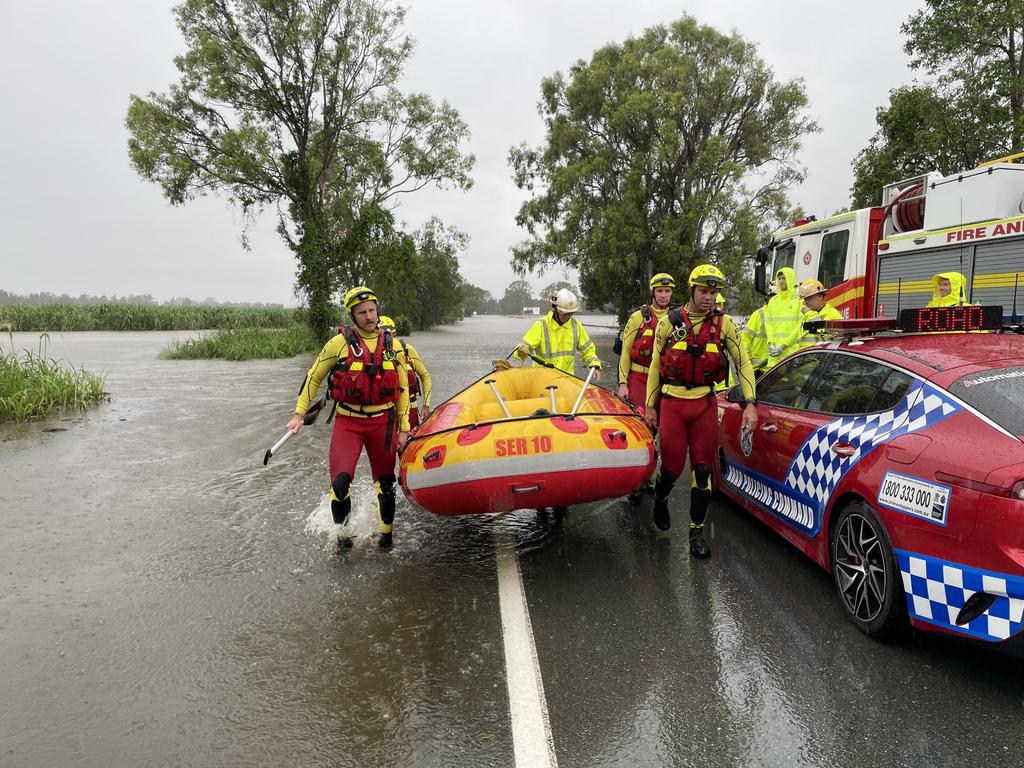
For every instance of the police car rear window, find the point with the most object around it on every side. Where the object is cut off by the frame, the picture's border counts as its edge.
(997, 393)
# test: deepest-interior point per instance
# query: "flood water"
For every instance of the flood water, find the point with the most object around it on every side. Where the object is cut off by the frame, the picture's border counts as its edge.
(165, 599)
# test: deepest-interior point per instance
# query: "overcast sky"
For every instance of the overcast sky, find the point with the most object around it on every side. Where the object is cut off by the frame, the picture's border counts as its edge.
(74, 217)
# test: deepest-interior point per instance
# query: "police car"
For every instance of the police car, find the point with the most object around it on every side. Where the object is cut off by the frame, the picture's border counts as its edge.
(895, 460)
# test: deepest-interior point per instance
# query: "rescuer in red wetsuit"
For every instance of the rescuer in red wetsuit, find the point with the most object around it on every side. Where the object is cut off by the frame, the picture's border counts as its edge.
(370, 388)
(688, 358)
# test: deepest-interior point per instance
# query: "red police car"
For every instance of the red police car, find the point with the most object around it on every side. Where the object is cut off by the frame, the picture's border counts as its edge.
(896, 461)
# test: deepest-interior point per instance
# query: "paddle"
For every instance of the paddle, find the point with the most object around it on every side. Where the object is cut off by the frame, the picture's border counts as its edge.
(308, 418)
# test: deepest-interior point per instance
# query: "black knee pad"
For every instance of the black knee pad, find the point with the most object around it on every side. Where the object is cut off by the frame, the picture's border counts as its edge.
(663, 487)
(341, 504)
(702, 474)
(340, 485)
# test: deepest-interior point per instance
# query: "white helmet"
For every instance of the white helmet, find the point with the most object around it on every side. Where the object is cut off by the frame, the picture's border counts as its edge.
(565, 301)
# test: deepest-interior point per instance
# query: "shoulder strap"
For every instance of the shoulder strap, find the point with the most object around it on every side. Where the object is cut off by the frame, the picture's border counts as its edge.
(352, 339)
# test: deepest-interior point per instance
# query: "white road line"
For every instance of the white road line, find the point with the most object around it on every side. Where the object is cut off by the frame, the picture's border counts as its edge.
(531, 731)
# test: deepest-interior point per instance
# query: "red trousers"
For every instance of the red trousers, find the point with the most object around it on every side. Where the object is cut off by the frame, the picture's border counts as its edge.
(687, 425)
(637, 383)
(352, 434)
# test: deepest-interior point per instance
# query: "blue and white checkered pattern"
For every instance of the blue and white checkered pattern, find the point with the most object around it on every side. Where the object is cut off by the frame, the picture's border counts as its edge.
(816, 470)
(937, 590)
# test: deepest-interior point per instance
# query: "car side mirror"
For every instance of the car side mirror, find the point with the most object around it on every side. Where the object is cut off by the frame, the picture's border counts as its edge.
(735, 395)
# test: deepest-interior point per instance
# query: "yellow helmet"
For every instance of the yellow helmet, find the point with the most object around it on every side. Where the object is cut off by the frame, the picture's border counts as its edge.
(663, 280)
(720, 299)
(358, 295)
(707, 275)
(811, 287)
(383, 321)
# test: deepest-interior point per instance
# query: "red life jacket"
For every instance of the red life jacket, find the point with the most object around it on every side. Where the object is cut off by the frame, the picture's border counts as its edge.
(414, 382)
(643, 342)
(364, 377)
(686, 359)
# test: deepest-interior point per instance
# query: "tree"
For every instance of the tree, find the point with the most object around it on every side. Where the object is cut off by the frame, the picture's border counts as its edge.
(662, 152)
(439, 287)
(474, 299)
(925, 129)
(519, 294)
(550, 290)
(294, 103)
(976, 47)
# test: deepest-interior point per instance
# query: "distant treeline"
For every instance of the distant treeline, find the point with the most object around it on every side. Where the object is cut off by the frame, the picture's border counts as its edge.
(141, 317)
(144, 299)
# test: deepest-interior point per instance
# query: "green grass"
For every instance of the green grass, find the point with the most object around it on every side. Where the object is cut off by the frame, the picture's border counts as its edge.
(245, 344)
(33, 386)
(140, 317)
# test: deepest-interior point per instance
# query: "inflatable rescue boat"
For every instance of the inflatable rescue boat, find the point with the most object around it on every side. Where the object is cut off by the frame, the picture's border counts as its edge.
(526, 438)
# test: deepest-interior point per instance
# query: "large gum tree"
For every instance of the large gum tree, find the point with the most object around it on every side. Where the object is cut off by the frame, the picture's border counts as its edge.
(294, 104)
(662, 152)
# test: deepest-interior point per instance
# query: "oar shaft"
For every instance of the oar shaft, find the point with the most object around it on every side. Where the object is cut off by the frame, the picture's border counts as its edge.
(271, 451)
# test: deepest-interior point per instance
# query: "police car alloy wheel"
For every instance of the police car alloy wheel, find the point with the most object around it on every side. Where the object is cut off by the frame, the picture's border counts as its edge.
(865, 572)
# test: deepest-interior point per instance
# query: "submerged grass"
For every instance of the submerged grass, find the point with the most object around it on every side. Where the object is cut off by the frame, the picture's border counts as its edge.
(33, 386)
(245, 344)
(142, 317)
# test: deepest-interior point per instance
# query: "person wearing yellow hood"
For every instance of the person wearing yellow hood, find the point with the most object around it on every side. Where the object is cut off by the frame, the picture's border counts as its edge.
(777, 326)
(949, 290)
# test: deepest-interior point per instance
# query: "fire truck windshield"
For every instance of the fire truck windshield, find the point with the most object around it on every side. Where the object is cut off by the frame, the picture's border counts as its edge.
(785, 254)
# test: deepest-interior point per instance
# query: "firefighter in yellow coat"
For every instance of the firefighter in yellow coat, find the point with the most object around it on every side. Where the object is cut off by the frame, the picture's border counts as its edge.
(371, 391)
(816, 307)
(419, 376)
(558, 337)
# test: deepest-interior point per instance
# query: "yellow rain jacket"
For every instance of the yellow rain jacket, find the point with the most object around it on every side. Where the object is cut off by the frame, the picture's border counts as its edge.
(558, 344)
(957, 290)
(827, 312)
(755, 340)
(337, 349)
(782, 323)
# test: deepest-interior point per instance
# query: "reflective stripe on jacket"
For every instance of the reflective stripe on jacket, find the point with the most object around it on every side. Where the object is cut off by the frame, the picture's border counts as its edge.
(557, 344)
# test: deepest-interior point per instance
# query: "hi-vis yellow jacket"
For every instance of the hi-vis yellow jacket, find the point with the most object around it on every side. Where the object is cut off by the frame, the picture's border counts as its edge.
(414, 366)
(827, 312)
(782, 324)
(558, 344)
(337, 349)
(957, 295)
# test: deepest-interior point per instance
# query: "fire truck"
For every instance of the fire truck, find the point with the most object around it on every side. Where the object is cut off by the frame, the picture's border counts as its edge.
(879, 261)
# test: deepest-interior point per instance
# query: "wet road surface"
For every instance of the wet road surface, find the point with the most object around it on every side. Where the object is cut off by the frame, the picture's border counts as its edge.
(167, 600)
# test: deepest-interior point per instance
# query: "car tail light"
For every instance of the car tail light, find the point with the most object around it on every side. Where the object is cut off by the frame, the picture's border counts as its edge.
(1017, 492)
(978, 485)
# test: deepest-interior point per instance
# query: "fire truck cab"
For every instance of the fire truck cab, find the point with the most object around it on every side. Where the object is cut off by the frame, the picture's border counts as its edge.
(878, 261)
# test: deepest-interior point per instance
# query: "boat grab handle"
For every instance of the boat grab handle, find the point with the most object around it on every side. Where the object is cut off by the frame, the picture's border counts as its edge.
(526, 488)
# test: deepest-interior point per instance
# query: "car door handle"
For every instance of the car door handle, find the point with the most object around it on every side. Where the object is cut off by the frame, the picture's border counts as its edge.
(843, 449)
(769, 427)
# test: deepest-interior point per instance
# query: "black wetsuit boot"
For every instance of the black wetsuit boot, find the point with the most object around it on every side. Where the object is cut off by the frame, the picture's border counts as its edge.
(385, 510)
(661, 491)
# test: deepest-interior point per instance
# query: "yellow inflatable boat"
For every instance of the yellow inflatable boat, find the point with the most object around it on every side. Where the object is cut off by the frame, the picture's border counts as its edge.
(526, 438)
